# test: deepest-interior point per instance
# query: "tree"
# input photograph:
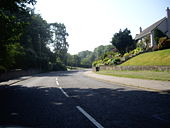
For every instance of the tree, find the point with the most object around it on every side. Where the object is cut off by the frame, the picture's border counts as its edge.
(158, 34)
(13, 15)
(85, 58)
(123, 41)
(13, 20)
(101, 50)
(25, 36)
(59, 41)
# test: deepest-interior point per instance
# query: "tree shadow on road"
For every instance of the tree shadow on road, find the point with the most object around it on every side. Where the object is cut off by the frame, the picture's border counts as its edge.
(48, 107)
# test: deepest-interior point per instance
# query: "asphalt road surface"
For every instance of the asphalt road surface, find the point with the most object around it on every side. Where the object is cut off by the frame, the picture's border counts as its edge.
(72, 100)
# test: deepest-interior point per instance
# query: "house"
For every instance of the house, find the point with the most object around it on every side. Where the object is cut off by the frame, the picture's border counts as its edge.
(163, 25)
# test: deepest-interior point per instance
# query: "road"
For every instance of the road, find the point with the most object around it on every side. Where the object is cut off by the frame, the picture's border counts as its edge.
(72, 100)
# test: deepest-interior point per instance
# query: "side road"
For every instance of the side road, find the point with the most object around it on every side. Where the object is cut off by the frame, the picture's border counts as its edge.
(150, 85)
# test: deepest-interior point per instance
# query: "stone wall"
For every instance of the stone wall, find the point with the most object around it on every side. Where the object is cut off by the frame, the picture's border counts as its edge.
(17, 73)
(135, 68)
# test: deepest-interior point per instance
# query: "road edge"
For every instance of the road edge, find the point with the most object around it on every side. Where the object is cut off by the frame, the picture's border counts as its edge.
(126, 85)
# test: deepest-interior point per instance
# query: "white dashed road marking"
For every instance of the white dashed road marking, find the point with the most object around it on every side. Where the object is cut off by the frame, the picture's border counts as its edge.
(57, 83)
(63, 92)
(61, 88)
(98, 125)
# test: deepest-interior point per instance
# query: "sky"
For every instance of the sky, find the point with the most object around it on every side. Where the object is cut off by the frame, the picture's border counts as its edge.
(91, 23)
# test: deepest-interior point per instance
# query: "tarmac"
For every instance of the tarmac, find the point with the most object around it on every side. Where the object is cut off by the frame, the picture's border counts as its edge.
(149, 85)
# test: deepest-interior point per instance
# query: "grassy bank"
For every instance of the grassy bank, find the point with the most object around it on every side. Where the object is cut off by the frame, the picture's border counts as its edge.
(151, 75)
(161, 57)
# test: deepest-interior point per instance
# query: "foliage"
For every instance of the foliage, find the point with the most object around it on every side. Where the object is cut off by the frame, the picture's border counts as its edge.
(123, 41)
(97, 63)
(2, 69)
(132, 53)
(164, 43)
(59, 40)
(73, 60)
(101, 50)
(110, 58)
(157, 35)
(144, 43)
(86, 58)
(13, 15)
(59, 66)
(25, 38)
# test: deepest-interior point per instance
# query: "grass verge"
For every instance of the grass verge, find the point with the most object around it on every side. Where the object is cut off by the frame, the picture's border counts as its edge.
(150, 75)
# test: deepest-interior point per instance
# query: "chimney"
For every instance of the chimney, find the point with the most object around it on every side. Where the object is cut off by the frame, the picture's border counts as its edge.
(168, 12)
(140, 29)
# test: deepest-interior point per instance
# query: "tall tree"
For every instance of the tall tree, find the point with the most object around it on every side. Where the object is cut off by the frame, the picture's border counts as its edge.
(123, 41)
(13, 15)
(59, 41)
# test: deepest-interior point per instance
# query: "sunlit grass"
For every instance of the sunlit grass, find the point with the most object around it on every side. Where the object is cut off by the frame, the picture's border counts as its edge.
(161, 57)
(151, 75)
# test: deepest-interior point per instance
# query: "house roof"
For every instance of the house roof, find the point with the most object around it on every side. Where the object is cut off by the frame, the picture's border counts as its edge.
(149, 29)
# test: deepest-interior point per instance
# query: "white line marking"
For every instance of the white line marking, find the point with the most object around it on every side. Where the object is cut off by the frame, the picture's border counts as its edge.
(57, 83)
(64, 92)
(61, 88)
(98, 125)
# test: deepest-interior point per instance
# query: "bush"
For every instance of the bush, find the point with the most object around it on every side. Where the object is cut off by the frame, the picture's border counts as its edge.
(157, 35)
(126, 56)
(164, 43)
(2, 69)
(132, 53)
(114, 61)
(59, 67)
(97, 63)
(142, 45)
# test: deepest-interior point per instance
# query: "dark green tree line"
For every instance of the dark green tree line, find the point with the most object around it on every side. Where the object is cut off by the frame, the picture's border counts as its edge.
(25, 38)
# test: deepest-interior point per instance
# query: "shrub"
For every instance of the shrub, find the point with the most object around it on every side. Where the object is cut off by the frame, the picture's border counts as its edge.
(141, 45)
(157, 35)
(117, 61)
(164, 43)
(132, 53)
(59, 66)
(97, 63)
(2, 69)
(126, 56)
(137, 51)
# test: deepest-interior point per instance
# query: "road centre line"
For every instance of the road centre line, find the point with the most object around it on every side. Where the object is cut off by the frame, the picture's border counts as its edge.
(57, 83)
(61, 88)
(98, 125)
(63, 92)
